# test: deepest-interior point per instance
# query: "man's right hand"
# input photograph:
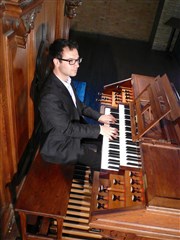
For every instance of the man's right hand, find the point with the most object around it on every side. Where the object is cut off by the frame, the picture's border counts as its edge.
(109, 132)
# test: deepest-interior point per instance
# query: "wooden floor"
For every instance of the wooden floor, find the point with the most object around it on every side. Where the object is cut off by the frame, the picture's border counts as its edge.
(107, 60)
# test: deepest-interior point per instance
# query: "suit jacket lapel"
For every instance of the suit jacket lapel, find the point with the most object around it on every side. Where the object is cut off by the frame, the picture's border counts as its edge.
(65, 90)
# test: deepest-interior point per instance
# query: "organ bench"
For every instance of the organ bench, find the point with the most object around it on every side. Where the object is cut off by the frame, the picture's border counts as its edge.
(44, 197)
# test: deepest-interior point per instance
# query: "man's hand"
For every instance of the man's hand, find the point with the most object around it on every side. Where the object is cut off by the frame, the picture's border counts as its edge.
(109, 132)
(107, 119)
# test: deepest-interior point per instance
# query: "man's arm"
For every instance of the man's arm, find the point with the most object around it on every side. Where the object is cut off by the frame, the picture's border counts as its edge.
(54, 115)
(108, 119)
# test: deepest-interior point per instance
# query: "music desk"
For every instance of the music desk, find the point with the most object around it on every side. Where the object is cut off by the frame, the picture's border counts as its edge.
(44, 195)
(174, 23)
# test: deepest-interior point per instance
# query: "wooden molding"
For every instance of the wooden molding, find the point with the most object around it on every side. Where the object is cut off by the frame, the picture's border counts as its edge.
(71, 6)
(19, 17)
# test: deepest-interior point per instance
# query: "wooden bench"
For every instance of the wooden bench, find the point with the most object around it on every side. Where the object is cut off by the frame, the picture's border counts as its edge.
(44, 195)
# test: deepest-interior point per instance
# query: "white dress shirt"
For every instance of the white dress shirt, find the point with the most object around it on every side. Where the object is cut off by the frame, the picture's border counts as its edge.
(67, 84)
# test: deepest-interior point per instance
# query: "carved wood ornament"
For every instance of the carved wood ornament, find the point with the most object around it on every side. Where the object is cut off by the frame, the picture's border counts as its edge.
(71, 6)
(19, 17)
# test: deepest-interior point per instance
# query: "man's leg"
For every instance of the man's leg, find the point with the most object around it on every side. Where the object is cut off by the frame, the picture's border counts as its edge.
(91, 157)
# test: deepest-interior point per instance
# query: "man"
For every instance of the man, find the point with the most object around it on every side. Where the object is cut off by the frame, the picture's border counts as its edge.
(61, 113)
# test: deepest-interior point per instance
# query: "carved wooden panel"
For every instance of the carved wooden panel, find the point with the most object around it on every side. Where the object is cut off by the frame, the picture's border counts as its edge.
(23, 25)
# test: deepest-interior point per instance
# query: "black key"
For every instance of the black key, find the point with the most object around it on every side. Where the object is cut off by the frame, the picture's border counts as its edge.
(113, 163)
(128, 128)
(115, 110)
(113, 151)
(133, 159)
(113, 167)
(114, 140)
(113, 155)
(133, 164)
(133, 152)
(127, 117)
(114, 125)
(127, 122)
(114, 160)
(132, 143)
(114, 146)
(128, 134)
(133, 149)
(127, 111)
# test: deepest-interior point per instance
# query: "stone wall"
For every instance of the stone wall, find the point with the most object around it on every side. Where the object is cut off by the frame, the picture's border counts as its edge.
(128, 19)
(170, 9)
(119, 18)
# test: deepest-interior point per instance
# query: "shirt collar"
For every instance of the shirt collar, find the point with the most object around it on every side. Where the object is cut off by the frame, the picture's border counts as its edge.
(66, 83)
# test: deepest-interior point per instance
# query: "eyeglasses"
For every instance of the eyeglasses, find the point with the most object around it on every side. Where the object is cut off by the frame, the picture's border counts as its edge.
(71, 61)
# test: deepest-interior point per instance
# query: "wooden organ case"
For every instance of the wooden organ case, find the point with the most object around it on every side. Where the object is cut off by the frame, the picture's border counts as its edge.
(141, 200)
(24, 26)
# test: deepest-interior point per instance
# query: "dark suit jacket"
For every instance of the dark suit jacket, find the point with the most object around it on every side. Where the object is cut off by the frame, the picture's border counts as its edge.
(62, 123)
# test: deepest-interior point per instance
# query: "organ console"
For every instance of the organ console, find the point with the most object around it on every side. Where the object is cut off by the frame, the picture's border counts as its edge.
(136, 194)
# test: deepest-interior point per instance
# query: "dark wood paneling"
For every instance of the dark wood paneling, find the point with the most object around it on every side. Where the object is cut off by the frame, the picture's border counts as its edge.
(23, 26)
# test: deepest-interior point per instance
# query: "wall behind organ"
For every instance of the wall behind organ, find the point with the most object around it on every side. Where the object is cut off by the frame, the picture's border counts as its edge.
(118, 18)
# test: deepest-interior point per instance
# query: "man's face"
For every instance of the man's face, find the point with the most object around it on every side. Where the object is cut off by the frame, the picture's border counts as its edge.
(63, 68)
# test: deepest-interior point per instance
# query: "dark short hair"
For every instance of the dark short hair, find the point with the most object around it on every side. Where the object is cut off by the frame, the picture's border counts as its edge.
(56, 48)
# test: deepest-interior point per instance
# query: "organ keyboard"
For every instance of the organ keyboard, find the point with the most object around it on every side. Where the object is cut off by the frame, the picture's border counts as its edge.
(121, 151)
(139, 198)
